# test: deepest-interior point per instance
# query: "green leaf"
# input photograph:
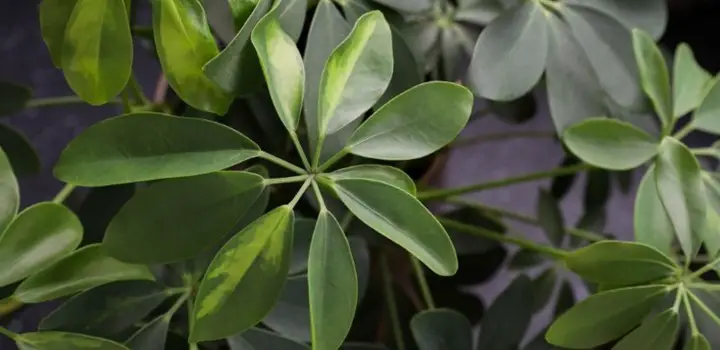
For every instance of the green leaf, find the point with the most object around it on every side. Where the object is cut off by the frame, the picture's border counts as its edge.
(525, 258)
(697, 341)
(710, 235)
(620, 263)
(41, 235)
(302, 236)
(441, 329)
(220, 18)
(282, 67)
(106, 310)
(414, 124)
(652, 225)
(610, 144)
(291, 14)
(97, 50)
(649, 15)
(332, 284)
(152, 336)
(248, 273)
(383, 173)
(406, 71)
(504, 323)
(604, 317)
(236, 69)
(99, 207)
(705, 117)
(54, 17)
(655, 333)
(681, 190)
(410, 7)
(356, 74)
(517, 38)
(197, 212)
(550, 217)
(64, 341)
(22, 154)
(466, 244)
(362, 346)
(654, 76)
(13, 97)
(543, 288)
(150, 146)
(9, 192)
(184, 45)
(260, 339)
(689, 81)
(401, 218)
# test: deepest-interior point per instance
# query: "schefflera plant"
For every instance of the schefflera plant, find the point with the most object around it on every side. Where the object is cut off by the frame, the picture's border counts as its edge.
(193, 201)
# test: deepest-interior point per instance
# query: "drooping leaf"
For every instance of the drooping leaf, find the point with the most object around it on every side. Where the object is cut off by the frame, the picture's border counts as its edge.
(410, 7)
(517, 38)
(64, 341)
(387, 174)
(613, 313)
(705, 117)
(610, 144)
(54, 17)
(543, 287)
(84, 269)
(152, 336)
(150, 146)
(656, 333)
(401, 218)
(649, 15)
(19, 150)
(681, 190)
(414, 124)
(41, 235)
(550, 217)
(689, 81)
(248, 273)
(441, 329)
(13, 97)
(505, 322)
(9, 192)
(652, 226)
(654, 76)
(282, 67)
(620, 263)
(97, 50)
(260, 339)
(106, 310)
(697, 341)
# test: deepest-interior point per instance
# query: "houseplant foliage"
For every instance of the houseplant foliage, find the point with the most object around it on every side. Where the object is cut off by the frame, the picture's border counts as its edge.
(278, 193)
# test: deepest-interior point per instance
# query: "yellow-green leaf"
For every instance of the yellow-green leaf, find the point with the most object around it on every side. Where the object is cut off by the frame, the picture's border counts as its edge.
(656, 333)
(64, 341)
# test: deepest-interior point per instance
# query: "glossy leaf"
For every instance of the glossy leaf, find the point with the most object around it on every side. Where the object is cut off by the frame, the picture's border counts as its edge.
(84, 269)
(652, 226)
(614, 313)
(620, 263)
(550, 217)
(54, 17)
(150, 146)
(654, 76)
(681, 190)
(248, 272)
(517, 38)
(38, 237)
(260, 339)
(9, 192)
(332, 284)
(184, 45)
(13, 97)
(97, 50)
(650, 15)
(282, 67)
(506, 320)
(414, 124)
(610, 144)
(356, 74)
(177, 219)
(64, 341)
(697, 341)
(21, 153)
(689, 81)
(383, 173)
(655, 333)
(401, 218)
(705, 117)
(152, 336)
(441, 329)
(106, 310)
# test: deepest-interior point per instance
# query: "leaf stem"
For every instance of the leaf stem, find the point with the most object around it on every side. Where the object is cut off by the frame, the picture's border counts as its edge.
(300, 192)
(137, 91)
(684, 131)
(334, 159)
(679, 296)
(451, 192)
(709, 151)
(300, 150)
(709, 266)
(422, 282)
(705, 308)
(63, 194)
(318, 194)
(178, 303)
(474, 140)
(688, 309)
(281, 162)
(8, 333)
(392, 304)
(55, 101)
(520, 242)
(286, 180)
(9, 305)
(705, 286)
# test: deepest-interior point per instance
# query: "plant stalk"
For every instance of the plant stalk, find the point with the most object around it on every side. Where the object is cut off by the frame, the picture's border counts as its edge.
(334, 159)
(705, 308)
(300, 192)
(684, 131)
(282, 162)
(709, 266)
(55, 101)
(8, 333)
(422, 282)
(300, 150)
(178, 303)
(392, 304)
(63, 194)
(318, 194)
(478, 139)
(286, 180)
(9, 305)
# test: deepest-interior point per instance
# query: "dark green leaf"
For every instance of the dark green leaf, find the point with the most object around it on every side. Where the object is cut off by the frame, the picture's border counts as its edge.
(505, 322)
(415, 6)
(655, 333)
(99, 207)
(561, 185)
(291, 15)
(9, 192)
(604, 317)
(441, 329)
(54, 17)
(64, 341)
(650, 15)
(152, 336)
(705, 117)
(690, 81)
(697, 341)
(386, 174)
(22, 154)
(423, 39)
(710, 235)
(248, 273)
(406, 71)
(654, 76)
(550, 217)
(302, 236)
(150, 146)
(14, 97)
(361, 346)
(414, 124)
(41, 235)
(220, 18)
(525, 258)
(597, 191)
(260, 339)
(652, 225)
(543, 288)
(565, 299)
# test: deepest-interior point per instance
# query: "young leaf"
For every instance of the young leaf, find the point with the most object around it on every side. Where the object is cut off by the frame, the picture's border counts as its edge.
(184, 45)
(54, 17)
(401, 218)
(150, 146)
(652, 225)
(21, 153)
(152, 336)
(654, 76)
(9, 192)
(13, 97)
(681, 190)
(697, 341)
(656, 333)
(84, 269)
(282, 67)
(504, 324)
(414, 124)
(689, 81)
(177, 219)
(604, 317)
(610, 144)
(97, 51)
(247, 273)
(705, 117)
(64, 341)
(441, 329)
(650, 15)
(356, 74)
(39, 236)
(551, 219)
(518, 38)
(383, 173)
(260, 339)
(620, 263)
